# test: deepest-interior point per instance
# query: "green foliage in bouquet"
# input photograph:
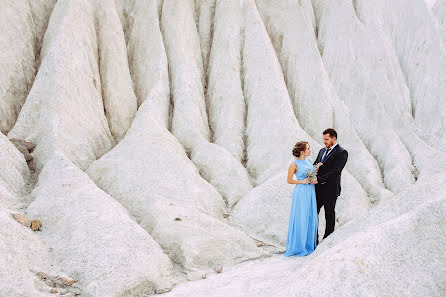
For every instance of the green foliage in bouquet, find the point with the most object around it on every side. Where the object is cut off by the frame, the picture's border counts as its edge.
(311, 174)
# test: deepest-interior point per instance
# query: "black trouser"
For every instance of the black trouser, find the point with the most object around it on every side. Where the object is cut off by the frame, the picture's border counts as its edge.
(329, 204)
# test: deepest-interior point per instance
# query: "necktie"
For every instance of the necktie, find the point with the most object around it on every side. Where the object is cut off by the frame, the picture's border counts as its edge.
(326, 154)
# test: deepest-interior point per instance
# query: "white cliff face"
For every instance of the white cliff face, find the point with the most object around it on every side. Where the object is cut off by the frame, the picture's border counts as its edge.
(225, 88)
(169, 198)
(390, 251)
(316, 104)
(439, 11)
(23, 26)
(147, 58)
(93, 237)
(117, 90)
(24, 256)
(14, 175)
(164, 129)
(64, 109)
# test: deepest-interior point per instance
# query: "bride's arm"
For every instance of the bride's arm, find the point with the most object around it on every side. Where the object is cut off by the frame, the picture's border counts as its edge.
(291, 169)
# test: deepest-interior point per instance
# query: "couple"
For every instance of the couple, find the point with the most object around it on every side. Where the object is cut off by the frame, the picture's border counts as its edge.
(308, 197)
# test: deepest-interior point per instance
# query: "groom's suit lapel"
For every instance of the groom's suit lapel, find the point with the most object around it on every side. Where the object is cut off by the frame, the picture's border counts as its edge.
(319, 156)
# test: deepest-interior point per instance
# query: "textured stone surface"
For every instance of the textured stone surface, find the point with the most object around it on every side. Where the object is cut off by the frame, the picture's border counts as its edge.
(14, 175)
(64, 109)
(391, 251)
(24, 254)
(183, 115)
(93, 237)
(149, 173)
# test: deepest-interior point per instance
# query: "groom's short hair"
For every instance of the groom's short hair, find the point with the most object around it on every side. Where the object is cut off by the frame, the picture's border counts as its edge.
(331, 131)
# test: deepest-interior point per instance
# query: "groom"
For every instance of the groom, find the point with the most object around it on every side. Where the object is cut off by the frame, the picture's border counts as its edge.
(332, 160)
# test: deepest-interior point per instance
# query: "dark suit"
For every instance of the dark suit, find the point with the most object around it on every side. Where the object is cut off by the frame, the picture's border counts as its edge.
(328, 187)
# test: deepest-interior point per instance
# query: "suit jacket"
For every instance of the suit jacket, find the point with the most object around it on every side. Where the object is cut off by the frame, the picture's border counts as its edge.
(329, 174)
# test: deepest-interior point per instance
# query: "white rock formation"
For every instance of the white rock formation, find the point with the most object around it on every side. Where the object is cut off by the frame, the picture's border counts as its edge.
(264, 212)
(17, 71)
(189, 115)
(14, 175)
(225, 91)
(23, 256)
(292, 35)
(204, 18)
(149, 173)
(184, 114)
(417, 42)
(439, 11)
(269, 148)
(93, 237)
(431, 3)
(117, 89)
(346, 39)
(64, 109)
(24, 23)
(291, 27)
(147, 58)
(389, 252)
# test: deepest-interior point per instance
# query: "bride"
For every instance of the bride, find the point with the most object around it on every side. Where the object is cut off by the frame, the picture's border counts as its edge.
(302, 227)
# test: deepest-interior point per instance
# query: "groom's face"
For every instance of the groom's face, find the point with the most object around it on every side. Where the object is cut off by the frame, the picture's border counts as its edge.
(329, 141)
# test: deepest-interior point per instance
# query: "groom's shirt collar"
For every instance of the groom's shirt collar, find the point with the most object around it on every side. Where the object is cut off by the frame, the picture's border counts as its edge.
(332, 147)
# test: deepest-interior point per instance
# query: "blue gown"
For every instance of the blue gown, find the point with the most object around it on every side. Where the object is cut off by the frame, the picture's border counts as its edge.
(302, 226)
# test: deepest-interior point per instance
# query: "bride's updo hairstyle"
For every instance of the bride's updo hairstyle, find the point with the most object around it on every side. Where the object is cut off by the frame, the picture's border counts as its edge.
(299, 147)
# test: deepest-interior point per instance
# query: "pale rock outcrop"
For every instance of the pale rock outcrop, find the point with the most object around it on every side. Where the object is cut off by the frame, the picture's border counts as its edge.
(417, 42)
(264, 212)
(41, 12)
(200, 243)
(395, 93)
(315, 103)
(308, 11)
(23, 26)
(350, 58)
(224, 90)
(149, 173)
(93, 237)
(268, 104)
(155, 162)
(439, 10)
(394, 250)
(23, 255)
(14, 175)
(269, 148)
(225, 93)
(147, 58)
(189, 118)
(120, 102)
(17, 62)
(64, 109)
(310, 90)
(204, 16)
(392, 96)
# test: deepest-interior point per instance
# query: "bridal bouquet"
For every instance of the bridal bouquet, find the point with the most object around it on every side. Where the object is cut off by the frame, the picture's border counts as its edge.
(311, 174)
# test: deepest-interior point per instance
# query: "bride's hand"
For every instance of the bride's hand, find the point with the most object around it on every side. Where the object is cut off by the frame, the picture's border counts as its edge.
(318, 165)
(306, 181)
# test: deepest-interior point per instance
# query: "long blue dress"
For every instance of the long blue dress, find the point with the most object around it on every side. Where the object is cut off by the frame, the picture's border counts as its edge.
(302, 226)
